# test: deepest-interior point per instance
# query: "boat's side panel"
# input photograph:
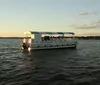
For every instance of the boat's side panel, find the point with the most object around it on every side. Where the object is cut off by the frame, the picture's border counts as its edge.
(54, 44)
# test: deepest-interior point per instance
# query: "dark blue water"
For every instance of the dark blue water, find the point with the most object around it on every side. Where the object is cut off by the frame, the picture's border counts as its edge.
(79, 66)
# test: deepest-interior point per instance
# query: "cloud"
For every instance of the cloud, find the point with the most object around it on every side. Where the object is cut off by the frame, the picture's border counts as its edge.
(87, 27)
(83, 13)
(87, 13)
(96, 13)
(72, 25)
(98, 21)
(91, 34)
(93, 25)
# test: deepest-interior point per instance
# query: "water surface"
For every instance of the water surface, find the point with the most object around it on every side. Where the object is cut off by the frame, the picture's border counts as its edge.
(79, 66)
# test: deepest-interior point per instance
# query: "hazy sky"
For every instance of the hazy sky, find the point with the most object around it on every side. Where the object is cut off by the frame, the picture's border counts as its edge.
(79, 16)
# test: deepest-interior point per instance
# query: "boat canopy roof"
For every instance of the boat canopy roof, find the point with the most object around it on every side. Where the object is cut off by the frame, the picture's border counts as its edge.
(34, 32)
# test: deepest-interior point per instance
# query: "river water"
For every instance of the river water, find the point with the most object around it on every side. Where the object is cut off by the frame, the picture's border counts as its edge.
(79, 66)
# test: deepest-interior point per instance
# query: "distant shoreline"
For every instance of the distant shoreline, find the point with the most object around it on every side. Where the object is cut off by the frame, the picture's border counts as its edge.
(78, 37)
(11, 37)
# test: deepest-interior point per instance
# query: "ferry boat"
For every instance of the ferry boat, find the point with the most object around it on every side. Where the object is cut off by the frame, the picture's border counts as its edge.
(34, 40)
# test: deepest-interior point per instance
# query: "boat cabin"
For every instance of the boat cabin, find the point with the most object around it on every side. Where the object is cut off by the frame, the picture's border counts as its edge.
(47, 36)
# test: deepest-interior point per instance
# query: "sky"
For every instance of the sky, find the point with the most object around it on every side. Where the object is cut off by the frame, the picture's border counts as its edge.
(79, 16)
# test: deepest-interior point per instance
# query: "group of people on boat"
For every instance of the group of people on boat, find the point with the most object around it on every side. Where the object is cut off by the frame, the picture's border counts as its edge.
(45, 38)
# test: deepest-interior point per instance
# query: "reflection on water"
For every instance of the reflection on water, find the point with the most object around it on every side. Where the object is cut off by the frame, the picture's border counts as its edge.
(79, 66)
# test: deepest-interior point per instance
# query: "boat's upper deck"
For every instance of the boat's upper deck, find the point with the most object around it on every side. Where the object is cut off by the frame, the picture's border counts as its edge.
(49, 36)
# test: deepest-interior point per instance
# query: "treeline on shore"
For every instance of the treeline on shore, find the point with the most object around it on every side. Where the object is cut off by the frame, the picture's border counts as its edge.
(88, 37)
(78, 37)
(11, 37)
